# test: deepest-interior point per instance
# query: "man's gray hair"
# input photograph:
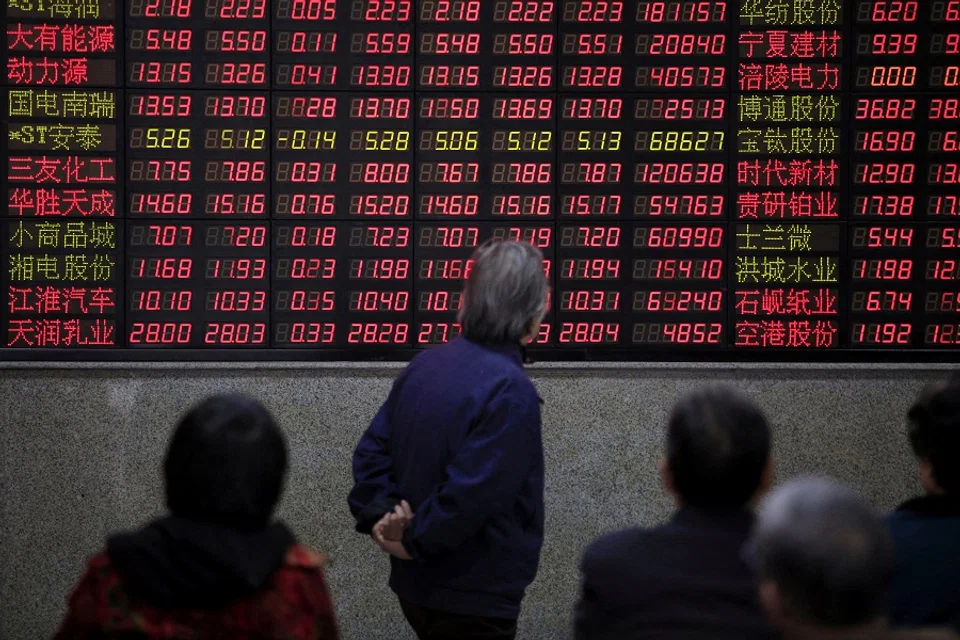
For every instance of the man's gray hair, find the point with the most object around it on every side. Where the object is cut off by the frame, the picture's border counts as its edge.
(826, 550)
(505, 294)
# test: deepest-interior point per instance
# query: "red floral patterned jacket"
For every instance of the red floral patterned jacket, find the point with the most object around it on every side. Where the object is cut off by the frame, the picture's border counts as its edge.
(295, 606)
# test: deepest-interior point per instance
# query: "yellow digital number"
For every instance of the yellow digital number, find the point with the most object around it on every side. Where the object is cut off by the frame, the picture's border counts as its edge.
(457, 140)
(387, 141)
(598, 140)
(167, 138)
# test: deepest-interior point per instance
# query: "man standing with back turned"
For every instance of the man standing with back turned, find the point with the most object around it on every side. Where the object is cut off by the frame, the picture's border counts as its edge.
(686, 580)
(458, 442)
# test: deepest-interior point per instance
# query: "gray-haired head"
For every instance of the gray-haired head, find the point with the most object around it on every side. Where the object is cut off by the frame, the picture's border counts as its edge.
(506, 293)
(826, 551)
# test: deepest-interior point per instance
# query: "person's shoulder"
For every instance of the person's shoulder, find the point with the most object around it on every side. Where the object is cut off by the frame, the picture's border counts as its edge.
(100, 568)
(302, 557)
(99, 560)
(613, 546)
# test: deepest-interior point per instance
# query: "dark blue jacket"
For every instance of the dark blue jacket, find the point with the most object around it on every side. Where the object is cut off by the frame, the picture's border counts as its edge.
(459, 438)
(926, 584)
(684, 580)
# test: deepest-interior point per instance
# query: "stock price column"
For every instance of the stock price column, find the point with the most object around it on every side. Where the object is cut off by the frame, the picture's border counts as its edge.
(681, 148)
(887, 178)
(378, 254)
(941, 173)
(61, 244)
(198, 138)
(339, 284)
(591, 158)
(485, 146)
(790, 167)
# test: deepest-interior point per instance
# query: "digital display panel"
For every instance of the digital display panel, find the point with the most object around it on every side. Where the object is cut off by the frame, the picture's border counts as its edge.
(290, 179)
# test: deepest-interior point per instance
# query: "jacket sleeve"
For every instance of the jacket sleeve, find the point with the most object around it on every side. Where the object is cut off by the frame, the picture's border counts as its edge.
(374, 490)
(484, 477)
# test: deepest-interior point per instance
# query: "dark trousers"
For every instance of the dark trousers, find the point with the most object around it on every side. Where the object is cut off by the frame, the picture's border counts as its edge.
(431, 624)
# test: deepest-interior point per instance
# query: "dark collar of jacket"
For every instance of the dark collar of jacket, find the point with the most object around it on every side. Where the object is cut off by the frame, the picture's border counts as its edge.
(733, 517)
(933, 506)
(517, 353)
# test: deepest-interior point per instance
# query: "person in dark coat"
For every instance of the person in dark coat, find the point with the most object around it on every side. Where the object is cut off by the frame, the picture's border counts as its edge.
(926, 529)
(686, 579)
(218, 566)
(824, 562)
(449, 475)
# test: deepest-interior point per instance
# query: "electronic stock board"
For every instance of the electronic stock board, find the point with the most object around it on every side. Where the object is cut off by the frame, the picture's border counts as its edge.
(300, 179)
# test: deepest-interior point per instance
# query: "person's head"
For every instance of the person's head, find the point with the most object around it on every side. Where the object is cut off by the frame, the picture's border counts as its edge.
(717, 450)
(934, 430)
(505, 296)
(226, 463)
(823, 559)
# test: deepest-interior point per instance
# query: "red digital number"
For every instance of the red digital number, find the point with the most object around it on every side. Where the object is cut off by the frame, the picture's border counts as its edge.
(173, 105)
(893, 44)
(878, 205)
(387, 43)
(241, 41)
(525, 205)
(379, 269)
(162, 268)
(894, 11)
(886, 141)
(437, 332)
(161, 72)
(235, 333)
(160, 333)
(593, 77)
(387, 11)
(658, 11)
(885, 108)
(387, 301)
(680, 173)
(306, 332)
(449, 205)
(380, 205)
(241, 10)
(156, 300)
(592, 108)
(166, 204)
(524, 11)
(523, 76)
(883, 334)
(591, 205)
(237, 301)
(679, 237)
(885, 269)
(943, 334)
(309, 10)
(450, 108)
(945, 108)
(589, 332)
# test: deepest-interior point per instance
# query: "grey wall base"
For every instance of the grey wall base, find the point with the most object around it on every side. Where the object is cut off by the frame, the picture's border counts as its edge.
(81, 450)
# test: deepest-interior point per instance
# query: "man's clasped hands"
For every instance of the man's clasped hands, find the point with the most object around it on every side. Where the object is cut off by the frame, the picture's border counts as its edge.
(388, 532)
